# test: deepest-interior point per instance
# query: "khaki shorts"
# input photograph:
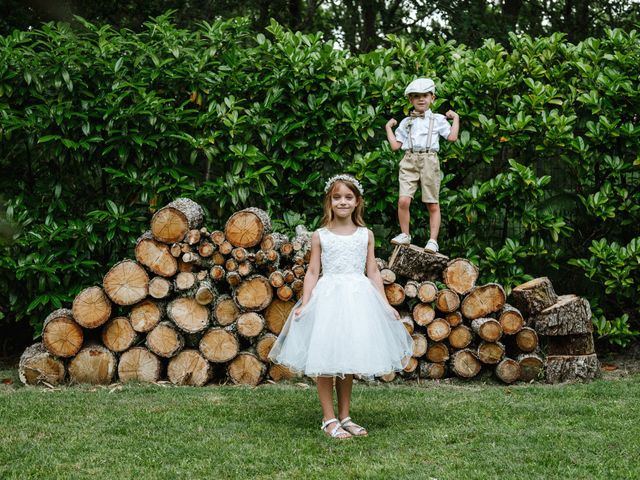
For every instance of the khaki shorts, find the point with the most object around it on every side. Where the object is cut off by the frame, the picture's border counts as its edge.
(420, 168)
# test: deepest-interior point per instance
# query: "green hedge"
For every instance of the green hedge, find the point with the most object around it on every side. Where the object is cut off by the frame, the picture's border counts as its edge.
(100, 127)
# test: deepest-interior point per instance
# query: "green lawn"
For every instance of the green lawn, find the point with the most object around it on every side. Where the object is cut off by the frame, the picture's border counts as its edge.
(445, 431)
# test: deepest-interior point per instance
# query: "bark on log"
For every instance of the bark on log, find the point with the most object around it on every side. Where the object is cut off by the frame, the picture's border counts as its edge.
(569, 368)
(91, 307)
(61, 334)
(531, 367)
(139, 365)
(447, 301)
(570, 315)
(165, 340)
(246, 369)
(247, 227)
(155, 255)
(419, 345)
(217, 273)
(483, 300)
(273, 241)
(217, 237)
(225, 310)
(264, 345)
(193, 236)
(438, 330)
(160, 287)
(145, 316)
(527, 339)
(284, 293)
(423, 314)
(189, 367)
(464, 363)
(188, 314)
(231, 265)
(570, 345)
(427, 292)
(395, 293)
(488, 329)
(534, 296)
(438, 352)
(491, 352)
(508, 370)
(38, 366)
(253, 294)
(411, 289)
(126, 283)
(205, 293)
(412, 262)
(432, 370)
(171, 223)
(94, 364)
(276, 315)
(510, 319)
(206, 249)
(460, 275)
(250, 324)
(219, 345)
(118, 335)
(460, 337)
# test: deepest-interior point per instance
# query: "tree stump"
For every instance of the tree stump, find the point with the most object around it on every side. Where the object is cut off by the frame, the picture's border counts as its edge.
(253, 294)
(570, 345)
(533, 296)
(126, 283)
(247, 227)
(460, 337)
(414, 263)
(61, 334)
(510, 320)
(569, 368)
(438, 330)
(465, 363)
(38, 366)
(570, 315)
(483, 300)
(94, 364)
(460, 275)
(189, 367)
(219, 345)
(156, 256)
(246, 369)
(145, 316)
(491, 352)
(91, 307)
(188, 314)
(447, 301)
(171, 223)
(508, 370)
(225, 310)
(164, 340)
(118, 335)
(250, 324)
(531, 367)
(488, 329)
(139, 365)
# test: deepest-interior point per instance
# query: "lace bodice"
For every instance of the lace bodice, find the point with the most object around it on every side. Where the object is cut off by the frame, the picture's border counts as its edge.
(343, 253)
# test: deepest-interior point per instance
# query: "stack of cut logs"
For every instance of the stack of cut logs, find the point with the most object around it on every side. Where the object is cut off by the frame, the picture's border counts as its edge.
(199, 305)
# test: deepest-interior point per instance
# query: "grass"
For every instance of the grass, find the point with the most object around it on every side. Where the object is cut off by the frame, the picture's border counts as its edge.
(442, 431)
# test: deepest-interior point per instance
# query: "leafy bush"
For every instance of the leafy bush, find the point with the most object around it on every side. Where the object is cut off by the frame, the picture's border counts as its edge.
(98, 128)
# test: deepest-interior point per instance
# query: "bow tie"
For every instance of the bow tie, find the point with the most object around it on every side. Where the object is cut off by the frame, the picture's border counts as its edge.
(415, 114)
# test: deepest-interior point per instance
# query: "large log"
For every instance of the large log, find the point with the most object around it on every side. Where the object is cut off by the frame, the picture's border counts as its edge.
(570, 345)
(225, 310)
(416, 264)
(533, 296)
(126, 283)
(118, 335)
(246, 369)
(483, 300)
(155, 255)
(61, 334)
(570, 315)
(189, 367)
(94, 364)
(569, 368)
(276, 315)
(38, 366)
(247, 227)
(140, 365)
(165, 340)
(171, 223)
(253, 294)
(465, 363)
(160, 287)
(91, 307)
(219, 345)
(188, 314)
(460, 337)
(531, 367)
(460, 275)
(510, 319)
(145, 316)
(487, 329)
(508, 370)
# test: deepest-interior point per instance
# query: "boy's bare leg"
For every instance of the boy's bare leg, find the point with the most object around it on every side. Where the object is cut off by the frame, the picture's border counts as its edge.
(434, 220)
(404, 216)
(343, 389)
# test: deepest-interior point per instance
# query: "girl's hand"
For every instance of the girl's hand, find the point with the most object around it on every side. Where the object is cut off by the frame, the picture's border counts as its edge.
(391, 123)
(298, 311)
(451, 114)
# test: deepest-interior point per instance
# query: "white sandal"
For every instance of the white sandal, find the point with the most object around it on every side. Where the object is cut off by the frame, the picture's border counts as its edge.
(356, 430)
(334, 433)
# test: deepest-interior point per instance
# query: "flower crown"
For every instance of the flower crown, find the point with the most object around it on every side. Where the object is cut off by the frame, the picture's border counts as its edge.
(345, 178)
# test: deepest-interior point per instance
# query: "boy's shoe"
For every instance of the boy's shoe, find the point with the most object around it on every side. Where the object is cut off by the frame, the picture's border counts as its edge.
(401, 239)
(431, 246)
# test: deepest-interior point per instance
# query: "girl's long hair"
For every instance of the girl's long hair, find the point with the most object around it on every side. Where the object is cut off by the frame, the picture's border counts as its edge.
(356, 215)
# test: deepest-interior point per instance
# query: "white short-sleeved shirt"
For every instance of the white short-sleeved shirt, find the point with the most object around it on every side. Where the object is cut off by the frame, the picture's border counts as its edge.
(420, 129)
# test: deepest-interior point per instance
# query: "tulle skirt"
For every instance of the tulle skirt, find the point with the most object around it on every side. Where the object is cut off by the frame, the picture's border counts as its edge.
(345, 328)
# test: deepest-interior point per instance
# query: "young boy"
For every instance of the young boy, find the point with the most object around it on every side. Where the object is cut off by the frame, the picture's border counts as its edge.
(418, 135)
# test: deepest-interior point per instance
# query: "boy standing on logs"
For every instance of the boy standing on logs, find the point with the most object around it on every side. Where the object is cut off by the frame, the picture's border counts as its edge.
(417, 135)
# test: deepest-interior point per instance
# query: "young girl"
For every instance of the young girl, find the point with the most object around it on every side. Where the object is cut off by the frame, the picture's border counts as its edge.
(343, 325)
